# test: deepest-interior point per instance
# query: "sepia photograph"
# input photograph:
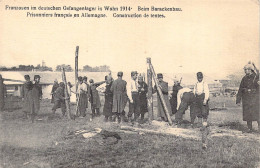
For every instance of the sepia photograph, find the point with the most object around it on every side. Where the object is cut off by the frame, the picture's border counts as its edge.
(131, 84)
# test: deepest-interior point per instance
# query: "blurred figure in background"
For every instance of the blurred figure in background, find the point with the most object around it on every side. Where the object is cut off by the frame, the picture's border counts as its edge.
(173, 96)
(54, 87)
(249, 94)
(94, 97)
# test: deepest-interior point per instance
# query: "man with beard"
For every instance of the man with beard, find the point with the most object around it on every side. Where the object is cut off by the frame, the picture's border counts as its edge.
(119, 96)
(249, 93)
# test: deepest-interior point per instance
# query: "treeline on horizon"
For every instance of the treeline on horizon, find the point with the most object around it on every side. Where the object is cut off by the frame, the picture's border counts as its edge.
(67, 68)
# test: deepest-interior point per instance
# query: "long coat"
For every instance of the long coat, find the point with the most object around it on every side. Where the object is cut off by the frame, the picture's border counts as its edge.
(119, 95)
(142, 90)
(94, 96)
(2, 95)
(26, 93)
(36, 97)
(249, 93)
(108, 105)
(54, 87)
(161, 112)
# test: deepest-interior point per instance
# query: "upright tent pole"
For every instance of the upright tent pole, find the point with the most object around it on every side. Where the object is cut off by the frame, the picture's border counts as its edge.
(150, 90)
(67, 102)
(160, 94)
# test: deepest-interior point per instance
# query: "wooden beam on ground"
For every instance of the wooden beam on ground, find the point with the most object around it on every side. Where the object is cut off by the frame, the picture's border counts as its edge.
(166, 110)
(67, 102)
(150, 90)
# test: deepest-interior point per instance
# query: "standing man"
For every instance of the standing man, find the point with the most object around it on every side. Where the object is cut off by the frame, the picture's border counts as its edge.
(59, 99)
(249, 93)
(94, 97)
(164, 87)
(54, 87)
(185, 98)
(2, 96)
(133, 96)
(142, 90)
(119, 96)
(26, 94)
(36, 97)
(108, 105)
(201, 92)
(173, 97)
(83, 96)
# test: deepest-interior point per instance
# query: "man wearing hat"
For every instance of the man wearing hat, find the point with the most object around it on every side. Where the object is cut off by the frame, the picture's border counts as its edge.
(164, 88)
(118, 89)
(108, 105)
(94, 97)
(36, 97)
(59, 99)
(249, 94)
(201, 92)
(26, 93)
(133, 96)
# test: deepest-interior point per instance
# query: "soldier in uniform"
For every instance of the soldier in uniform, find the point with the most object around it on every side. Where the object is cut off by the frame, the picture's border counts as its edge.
(119, 96)
(54, 87)
(36, 97)
(201, 92)
(26, 93)
(83, 92)
(142, 90)
(59, 99)
(108, 105)
(249, 94)
(133, 96)
(164, 88)
(94, 97)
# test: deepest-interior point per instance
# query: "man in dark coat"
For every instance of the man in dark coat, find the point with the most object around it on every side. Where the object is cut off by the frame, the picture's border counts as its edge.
(26, 93)
(59, 99)
(94, 97)
(2, 94)
(119, 96)
(36, 97)
(164, 87)
(142, 90)
(54, 87)
(249, 93)
(173, 98)
(108, 105)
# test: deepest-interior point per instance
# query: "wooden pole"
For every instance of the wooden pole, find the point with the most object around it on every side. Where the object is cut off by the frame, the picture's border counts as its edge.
(161, 95)
(150, 90)
(67, 102)
(76, 77)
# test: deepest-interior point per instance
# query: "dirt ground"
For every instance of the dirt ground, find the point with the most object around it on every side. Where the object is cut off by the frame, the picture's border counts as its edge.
(46, 143)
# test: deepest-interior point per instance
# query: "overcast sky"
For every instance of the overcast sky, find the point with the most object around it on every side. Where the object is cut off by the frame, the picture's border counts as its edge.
(214, 37)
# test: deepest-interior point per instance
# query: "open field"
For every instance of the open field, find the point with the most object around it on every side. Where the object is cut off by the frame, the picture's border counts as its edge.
(44, 143)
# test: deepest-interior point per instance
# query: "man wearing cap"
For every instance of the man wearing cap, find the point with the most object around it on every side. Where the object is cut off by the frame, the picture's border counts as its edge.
(59, 99)
(133, 96)
(201, 92)
(36, 97)
(108, 105)
(164, 88)
(142, 90)
(26, 94)
(119, 96)
(94, 97)
(83, 92)
(249, 93)
(173, 98)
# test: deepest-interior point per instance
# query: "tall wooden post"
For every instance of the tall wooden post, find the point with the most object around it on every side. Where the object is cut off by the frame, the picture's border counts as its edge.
(67, 102)
(150, 90)
(76, 76)
(161, 95)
